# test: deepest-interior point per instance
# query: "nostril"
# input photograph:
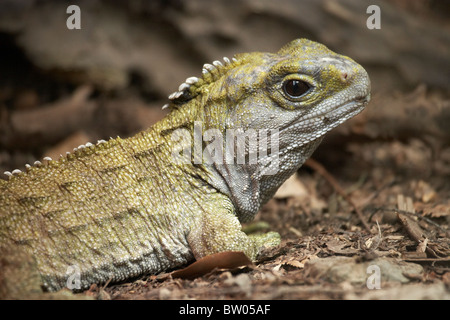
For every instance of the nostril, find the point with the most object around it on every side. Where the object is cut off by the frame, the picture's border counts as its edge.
(344, 67)
(344, 76)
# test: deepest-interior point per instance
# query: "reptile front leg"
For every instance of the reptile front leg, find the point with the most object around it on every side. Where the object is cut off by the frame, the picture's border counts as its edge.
(218, 229)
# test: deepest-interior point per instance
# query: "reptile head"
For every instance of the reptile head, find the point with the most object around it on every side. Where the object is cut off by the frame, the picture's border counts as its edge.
(304, 90)
(301, 92)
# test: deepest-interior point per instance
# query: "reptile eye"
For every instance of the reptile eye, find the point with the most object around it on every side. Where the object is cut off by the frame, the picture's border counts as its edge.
(295, 88)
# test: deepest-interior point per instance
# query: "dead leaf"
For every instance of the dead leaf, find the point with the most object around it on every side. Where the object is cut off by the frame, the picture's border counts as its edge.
(292, 187)
(243, 281)
(434, 210)
(424, 191)
(221, 260)
(339, 247)
(422, 246)
(405, 204)
(276, 268)
(296, 264)
(412, 227)
(446, 278)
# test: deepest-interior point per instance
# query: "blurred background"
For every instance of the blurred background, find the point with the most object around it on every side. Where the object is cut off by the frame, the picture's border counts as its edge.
(60, 88)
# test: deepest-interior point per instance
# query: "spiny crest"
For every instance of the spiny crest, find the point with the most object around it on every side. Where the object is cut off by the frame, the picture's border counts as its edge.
(46, 160)
(210, 73)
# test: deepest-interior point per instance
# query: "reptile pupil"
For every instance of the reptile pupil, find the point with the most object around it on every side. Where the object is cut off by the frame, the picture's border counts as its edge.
(295, 88)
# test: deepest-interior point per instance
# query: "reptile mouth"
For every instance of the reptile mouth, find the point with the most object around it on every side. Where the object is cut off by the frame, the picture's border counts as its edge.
(333, 116)
(344, 111)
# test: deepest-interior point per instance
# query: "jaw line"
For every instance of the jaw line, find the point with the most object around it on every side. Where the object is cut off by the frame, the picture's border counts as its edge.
(360, 104)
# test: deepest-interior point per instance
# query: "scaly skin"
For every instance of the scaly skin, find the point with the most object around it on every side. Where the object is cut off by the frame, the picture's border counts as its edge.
(125, 207)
